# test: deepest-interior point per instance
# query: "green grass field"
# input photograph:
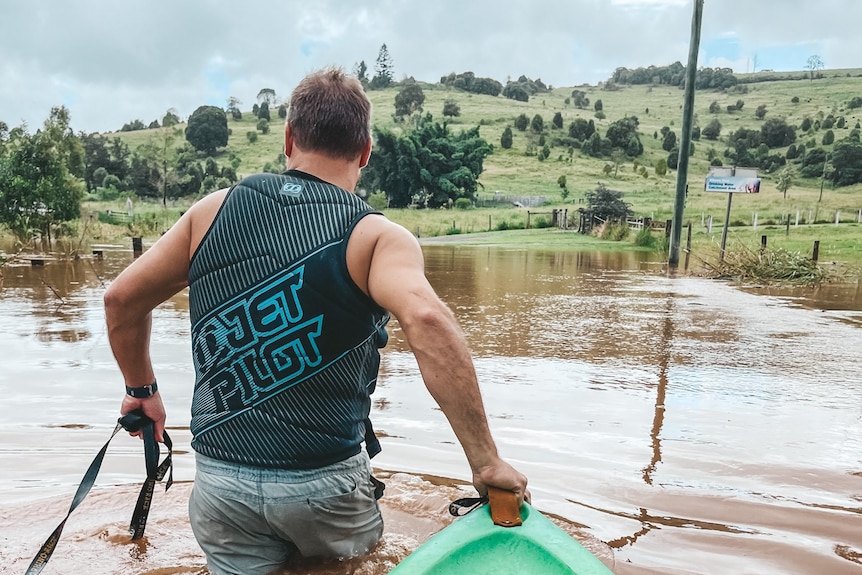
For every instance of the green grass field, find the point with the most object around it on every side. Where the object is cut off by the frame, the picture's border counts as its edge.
(513, 172)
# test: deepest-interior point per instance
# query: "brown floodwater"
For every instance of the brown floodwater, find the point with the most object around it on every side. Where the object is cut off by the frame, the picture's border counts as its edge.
(673, 425)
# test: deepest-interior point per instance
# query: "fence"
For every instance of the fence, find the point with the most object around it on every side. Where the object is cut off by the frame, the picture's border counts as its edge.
(500, 199)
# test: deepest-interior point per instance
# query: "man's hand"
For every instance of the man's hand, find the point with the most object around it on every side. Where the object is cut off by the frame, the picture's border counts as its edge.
(152, 408)
(503, 476)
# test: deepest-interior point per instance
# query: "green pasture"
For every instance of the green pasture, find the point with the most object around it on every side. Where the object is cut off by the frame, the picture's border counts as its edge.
(512, 172)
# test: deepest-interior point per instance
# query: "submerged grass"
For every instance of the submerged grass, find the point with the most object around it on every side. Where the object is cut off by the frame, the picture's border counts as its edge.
(768, 266)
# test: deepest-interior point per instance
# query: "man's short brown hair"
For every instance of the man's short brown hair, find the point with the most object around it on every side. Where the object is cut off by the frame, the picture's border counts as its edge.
(329, 113)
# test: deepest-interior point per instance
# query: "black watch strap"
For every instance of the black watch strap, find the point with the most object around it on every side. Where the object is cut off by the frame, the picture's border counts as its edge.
(142, 392)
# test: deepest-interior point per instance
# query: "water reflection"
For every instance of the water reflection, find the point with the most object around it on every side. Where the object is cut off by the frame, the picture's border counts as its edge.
(692, 426)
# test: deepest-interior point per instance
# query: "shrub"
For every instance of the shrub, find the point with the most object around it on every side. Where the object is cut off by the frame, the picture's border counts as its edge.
(616, 232)
(252, 136)
(378, 201)
(463, 204)
(646, 239)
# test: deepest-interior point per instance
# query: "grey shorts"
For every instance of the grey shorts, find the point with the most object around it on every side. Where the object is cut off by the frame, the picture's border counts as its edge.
(248, 520)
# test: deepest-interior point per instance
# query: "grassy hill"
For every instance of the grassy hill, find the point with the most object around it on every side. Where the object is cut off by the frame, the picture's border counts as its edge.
(513, 172)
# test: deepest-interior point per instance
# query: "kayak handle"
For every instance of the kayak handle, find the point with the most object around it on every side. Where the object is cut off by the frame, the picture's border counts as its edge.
(505, 510)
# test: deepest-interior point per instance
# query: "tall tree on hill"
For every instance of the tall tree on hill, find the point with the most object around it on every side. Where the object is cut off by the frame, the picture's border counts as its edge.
(451, 108)
(207, 129)
(579, 98)
(785, 180)
(360, 70)
(506, 138)
(409, 99)
(263, 112)
(814, 64)
(384, 70)
(171, 118)
(266, 96)
(669, 141)
(233, 104)
(557, 122)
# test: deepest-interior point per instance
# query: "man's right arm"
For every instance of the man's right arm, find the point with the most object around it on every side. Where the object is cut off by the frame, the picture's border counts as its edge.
(396, 281)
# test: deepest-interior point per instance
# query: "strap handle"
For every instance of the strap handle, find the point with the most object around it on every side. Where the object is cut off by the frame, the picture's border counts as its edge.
(134, 421)
(505, 511)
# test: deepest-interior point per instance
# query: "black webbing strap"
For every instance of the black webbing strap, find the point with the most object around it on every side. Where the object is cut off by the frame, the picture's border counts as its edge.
(465, 505)
(134, 421)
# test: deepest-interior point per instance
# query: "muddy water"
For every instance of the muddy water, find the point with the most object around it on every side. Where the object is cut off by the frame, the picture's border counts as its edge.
(672, 425)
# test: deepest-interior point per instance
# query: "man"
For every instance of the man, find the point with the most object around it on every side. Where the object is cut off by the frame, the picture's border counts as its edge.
(292, 279)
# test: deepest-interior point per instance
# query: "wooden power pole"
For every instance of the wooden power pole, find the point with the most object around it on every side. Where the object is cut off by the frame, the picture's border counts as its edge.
(685, 140)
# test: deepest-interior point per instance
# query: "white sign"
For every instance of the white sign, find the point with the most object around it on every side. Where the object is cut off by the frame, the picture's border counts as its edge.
(732, 184)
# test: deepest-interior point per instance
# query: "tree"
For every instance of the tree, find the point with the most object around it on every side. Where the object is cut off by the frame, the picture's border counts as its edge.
(171, 118)
(673, 159)
(36, 190)
(521, 122)
(428, 166)
(384, 71)
(207, 129)
(607, 204)
(828, 138)
(621, 131)
(714, 107)
(516, 92)
(581, 129)
(557, 122)
(618, 157)
(785, 180)
(282, 111)
(409, 99)
(263, 112)
(777, 133)
(233, 104)
(263, 126)
(506, 138)
(660, 167)
(814, 64)
(451, 109)
(669, 141)
(579, 98)
(360, 70)
(847, 163)
(760, 112)
(598, 106)
(537, 124)
(806, 124)
(712, 130)
(266, 96)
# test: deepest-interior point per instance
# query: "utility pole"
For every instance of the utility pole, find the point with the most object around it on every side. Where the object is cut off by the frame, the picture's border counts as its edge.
(685, 140)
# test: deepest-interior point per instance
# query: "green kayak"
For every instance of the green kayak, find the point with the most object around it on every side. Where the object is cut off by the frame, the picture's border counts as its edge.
(473, 545)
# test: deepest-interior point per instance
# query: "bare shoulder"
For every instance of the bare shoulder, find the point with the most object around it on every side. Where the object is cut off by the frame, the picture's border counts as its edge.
(378, 247)
(379, 231)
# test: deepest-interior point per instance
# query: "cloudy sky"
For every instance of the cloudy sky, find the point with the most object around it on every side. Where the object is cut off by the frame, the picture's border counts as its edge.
(112, 61)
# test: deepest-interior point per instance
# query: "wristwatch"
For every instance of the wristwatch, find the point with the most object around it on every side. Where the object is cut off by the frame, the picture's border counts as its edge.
(142, 392)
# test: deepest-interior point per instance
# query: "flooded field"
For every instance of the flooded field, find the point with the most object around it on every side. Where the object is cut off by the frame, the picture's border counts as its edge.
(672, 425)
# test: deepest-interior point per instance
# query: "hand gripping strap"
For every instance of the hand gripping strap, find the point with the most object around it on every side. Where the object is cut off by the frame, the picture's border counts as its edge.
(134, 421)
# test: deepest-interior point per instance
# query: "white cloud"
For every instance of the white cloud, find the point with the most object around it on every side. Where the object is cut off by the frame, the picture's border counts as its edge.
(111, 62)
